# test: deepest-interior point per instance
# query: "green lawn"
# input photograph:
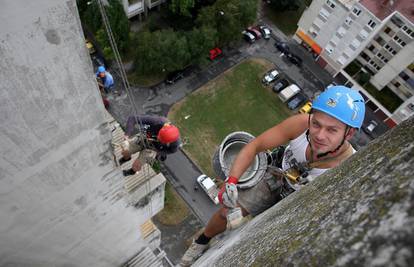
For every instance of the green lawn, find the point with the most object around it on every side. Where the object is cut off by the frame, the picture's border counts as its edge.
(286, 21)
(235, 101)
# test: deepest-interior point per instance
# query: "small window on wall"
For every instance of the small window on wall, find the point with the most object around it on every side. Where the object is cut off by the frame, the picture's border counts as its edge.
(356, 11)
(348, 21)
(329, 49)
(372, 24)
(324, 13)
(330, 3)
(341, 31)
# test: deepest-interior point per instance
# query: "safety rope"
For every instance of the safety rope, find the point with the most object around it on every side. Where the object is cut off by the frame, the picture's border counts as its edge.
(125, 83)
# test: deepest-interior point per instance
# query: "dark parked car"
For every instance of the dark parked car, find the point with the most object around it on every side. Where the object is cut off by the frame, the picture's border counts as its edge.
(296, 101)
(266, 31)
(174, 76)
(248, 37)
(294, 59)
(280, 85)
(282, 47)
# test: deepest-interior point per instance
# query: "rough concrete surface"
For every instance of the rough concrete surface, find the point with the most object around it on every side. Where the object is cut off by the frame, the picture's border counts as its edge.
(359, 214)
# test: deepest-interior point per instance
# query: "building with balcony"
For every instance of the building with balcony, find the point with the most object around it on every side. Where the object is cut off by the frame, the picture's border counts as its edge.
(139, 7)
(375, 36)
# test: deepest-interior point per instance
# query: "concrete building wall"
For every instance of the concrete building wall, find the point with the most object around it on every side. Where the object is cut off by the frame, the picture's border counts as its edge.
(62, 201)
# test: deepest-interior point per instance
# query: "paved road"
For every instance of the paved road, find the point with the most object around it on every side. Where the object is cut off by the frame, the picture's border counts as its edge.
(182, 174)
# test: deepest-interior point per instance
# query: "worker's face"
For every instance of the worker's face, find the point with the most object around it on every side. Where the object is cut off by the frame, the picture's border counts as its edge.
(326, 133)
(101, 74)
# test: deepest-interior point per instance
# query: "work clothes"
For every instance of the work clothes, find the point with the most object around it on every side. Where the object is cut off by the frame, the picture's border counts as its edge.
(271, 189)
(149, 125)
(107, 81)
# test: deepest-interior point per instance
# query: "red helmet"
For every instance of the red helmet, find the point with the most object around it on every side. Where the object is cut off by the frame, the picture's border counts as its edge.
(168, 134)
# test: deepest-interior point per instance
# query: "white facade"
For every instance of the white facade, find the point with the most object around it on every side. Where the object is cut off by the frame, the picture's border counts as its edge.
(63, 201)
(347, 31)
(138, 7)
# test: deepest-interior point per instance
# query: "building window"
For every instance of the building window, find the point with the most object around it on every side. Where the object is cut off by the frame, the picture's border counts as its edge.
(364, 34)
(341, 31)
(404, 76)
(348, 21)
(355, 44)
(356, 11)
(387, 30)
(399, 40)
(365, 56)
(380, 41)
(329, 49)
(398, 22)
(371, 24)
(330, 3)
(324, 14)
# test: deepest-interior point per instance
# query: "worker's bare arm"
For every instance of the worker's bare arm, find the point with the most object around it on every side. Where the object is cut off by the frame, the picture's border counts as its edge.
(278, 135)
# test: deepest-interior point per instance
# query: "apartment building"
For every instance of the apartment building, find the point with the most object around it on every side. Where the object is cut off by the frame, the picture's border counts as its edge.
(139, 7)
(375, 35)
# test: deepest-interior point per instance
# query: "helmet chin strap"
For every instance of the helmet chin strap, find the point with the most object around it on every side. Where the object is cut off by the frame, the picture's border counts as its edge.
(320, 155)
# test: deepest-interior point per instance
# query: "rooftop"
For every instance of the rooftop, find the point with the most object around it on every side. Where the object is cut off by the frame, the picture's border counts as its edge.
(383, 8)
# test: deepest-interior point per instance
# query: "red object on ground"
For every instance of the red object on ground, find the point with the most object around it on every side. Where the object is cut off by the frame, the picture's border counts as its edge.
(215, 52)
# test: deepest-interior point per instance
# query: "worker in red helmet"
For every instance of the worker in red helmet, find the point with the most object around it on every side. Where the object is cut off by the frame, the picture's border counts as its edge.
(147, 133)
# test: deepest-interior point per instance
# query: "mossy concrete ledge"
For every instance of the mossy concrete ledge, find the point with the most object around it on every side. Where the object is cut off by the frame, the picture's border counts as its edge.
(359, 214)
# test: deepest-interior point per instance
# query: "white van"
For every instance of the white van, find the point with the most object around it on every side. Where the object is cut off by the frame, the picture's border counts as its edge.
(289, 92)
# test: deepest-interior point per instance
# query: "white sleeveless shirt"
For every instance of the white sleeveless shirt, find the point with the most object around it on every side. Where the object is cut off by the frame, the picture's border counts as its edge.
(297, 150)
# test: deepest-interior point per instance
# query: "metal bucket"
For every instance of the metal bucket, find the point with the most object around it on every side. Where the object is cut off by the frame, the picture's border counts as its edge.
(226, 154)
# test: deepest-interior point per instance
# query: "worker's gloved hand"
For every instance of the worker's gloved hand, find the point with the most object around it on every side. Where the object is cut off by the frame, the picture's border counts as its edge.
(228, 193)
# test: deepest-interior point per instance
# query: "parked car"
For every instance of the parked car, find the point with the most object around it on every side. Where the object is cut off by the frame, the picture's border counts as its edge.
(215, 53)
(209, 187)
(266, 31)
(255, 32)
(282, 47)
(248, 37)
(294, 59)
(296, 101)
(175, 76)
(370, 127)
(306, 108)
(289, 92)
(280, 85)
(270, 76)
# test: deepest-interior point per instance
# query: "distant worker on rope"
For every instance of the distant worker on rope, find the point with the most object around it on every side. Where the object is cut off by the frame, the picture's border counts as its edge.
(317, 142)
(156, 134)
(105, 79)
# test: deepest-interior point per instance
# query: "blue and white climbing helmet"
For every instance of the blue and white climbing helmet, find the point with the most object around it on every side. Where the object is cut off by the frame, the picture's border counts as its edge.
(101, 69)
(342, 103)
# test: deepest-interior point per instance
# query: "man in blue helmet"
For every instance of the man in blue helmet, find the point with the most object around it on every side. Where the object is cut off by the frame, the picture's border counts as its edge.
(106, 79)
(317, 142)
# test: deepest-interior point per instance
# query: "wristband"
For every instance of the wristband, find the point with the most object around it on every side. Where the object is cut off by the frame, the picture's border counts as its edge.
(232, 180)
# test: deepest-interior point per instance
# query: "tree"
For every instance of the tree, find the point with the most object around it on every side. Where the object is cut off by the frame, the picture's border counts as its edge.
(90, 16)
(200, 41)
(182, 7)
(164, 50)
(229, 18)
(284, 5)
